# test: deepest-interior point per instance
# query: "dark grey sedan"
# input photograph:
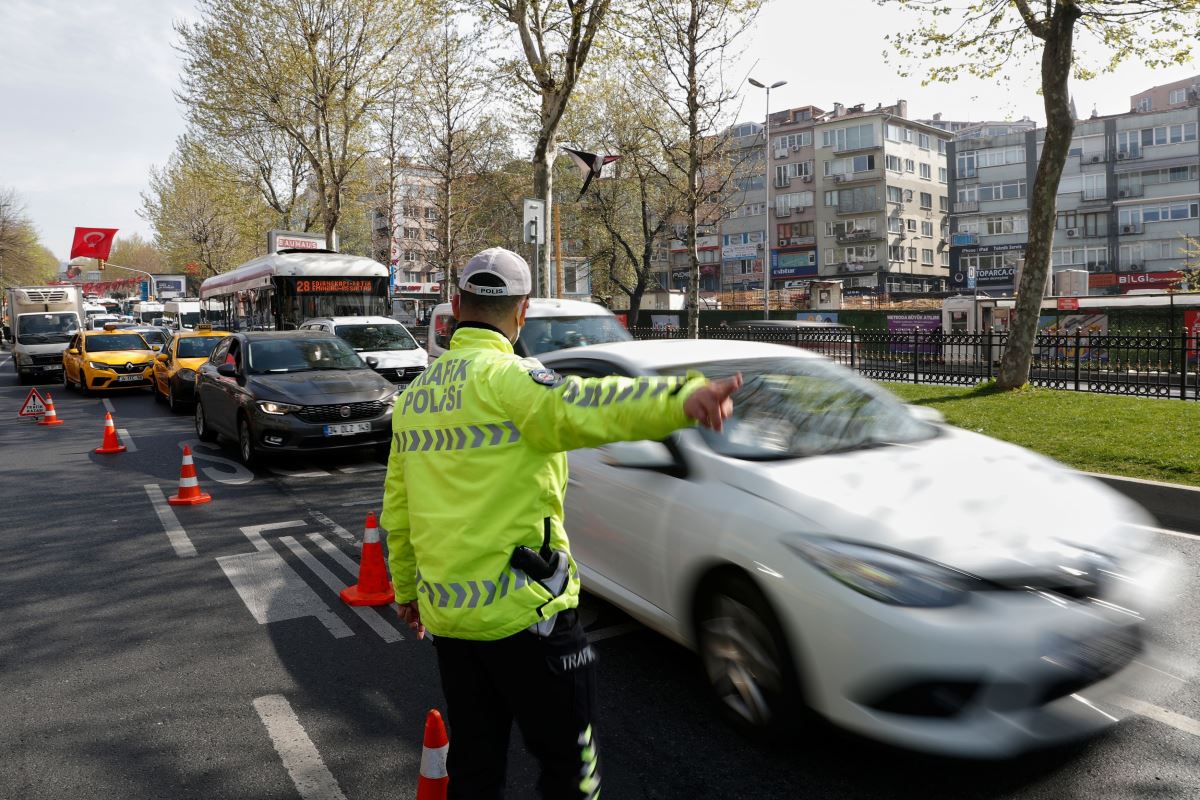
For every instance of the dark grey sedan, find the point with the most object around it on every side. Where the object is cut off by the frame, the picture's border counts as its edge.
(290, 391)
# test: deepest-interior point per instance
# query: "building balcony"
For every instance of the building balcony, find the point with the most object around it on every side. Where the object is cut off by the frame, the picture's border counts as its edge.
(872, 209)
(844, 150)
(850, 267)
(1091, 158)
(1126, 155)
(850, 237)
(796, 241)
(1129, 230)
(964, 239)
(967, 207)
(1131, 191)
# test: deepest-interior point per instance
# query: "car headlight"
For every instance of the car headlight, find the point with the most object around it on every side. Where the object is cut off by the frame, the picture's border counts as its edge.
(187, 374)
(22, 358)
(886, 576)
(277, 408)
(99, 365)
(391, 398)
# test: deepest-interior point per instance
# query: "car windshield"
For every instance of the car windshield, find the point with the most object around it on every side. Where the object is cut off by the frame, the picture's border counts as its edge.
(197, 346)
(544, 334)
(115, 341)
(302, 355)
(370, 338)
(154, 336)
(794, 407)
(46, 328)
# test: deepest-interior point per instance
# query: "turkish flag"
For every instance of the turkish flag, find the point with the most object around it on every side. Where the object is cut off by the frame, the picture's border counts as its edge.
(93, 242)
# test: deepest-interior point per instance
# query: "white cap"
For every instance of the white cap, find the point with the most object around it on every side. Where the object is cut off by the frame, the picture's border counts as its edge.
(507, 266)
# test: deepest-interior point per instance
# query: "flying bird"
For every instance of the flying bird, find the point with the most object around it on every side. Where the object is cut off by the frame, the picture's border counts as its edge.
(590, 165)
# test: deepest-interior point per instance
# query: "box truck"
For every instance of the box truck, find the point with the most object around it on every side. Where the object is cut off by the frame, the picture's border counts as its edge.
(43, 320)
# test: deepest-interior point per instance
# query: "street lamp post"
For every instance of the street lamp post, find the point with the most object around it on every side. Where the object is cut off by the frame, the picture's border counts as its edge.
(767, 225)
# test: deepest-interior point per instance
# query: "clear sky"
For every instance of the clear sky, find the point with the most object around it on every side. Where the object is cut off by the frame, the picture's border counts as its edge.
(87, 105)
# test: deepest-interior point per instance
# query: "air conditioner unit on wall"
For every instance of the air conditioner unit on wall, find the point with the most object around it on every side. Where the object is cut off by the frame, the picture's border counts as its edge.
(837, 178)
(1129, 229)
(783, 242)
(1122, 155)
(1122, 192)
(1072, 233)
(1137, 267)
(1095, 159)
(806, 178)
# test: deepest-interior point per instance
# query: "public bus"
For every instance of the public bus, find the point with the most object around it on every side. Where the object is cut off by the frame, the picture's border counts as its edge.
(281, 290)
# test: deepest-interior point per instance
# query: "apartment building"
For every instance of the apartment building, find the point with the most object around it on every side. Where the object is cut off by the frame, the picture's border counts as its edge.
(1128, 198)
(792, 201)
(741, 239)
(992, 166)
(406, 236)
(1166, 97)
(882, 200)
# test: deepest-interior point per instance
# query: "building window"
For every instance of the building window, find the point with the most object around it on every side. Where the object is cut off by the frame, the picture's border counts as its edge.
(1177, 96)
(910, 165)
(894, 163)
(894, 133)
(926, 172)
(927, 257)
(911, 224)
(412, 233)
(895, 253)
(846, 166)
(923, 141)
(1004, 224)
(944, 204)
(431, 214)
(895, 225)
(912, 254)
(942, 175)
(431, 236)
(1145, 104)
(926, 200)
(895, 194)
(853, 138)
(927, 228)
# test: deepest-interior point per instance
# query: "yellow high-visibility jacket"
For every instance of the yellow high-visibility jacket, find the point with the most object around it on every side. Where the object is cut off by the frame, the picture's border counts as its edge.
(478, 466)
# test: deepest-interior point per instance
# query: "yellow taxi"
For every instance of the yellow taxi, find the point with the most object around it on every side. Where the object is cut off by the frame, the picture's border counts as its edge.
(173, 377)
(107, 359)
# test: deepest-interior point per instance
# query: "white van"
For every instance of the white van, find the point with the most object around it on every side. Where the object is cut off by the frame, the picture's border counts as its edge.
(549, 325)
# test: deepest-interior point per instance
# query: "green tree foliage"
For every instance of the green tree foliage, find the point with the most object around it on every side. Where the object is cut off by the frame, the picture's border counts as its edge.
(24, 260)
(309, 71)
(134, 251)
(995, 39)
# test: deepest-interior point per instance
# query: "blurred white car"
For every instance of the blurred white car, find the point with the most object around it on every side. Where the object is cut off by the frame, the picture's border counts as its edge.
(550, 324)
(834, 550)
(386, 345)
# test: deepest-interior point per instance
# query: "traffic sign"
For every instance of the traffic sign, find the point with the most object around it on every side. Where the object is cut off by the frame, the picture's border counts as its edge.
(34, 405)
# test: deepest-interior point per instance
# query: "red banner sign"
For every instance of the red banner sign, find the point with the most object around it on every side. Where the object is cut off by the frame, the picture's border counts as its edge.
(93, 242)
(1191, 323)
(1068, 304)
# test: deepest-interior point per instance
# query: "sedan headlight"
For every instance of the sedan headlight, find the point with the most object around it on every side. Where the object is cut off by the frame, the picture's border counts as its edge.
(888, 577)
(277, 408)
(391, 398)
(100, 365)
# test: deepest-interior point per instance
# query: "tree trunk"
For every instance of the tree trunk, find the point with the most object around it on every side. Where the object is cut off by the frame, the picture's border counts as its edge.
(1060, 124)
(543, 188)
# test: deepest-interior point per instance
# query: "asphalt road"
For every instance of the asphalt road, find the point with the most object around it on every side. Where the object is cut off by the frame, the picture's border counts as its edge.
(132, 663)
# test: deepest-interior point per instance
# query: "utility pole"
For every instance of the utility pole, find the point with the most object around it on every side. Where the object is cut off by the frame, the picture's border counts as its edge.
(766, 265)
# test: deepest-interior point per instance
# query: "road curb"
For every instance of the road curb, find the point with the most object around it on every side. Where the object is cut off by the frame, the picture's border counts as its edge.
(1174, 505)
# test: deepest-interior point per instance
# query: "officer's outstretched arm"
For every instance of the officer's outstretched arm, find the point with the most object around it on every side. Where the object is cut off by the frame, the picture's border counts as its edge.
(402, 561)
(556, 413)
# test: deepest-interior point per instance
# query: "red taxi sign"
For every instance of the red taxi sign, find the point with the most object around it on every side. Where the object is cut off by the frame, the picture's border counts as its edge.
(1068, 304)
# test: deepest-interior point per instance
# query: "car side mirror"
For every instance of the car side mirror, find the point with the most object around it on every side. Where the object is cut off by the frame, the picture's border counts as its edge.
(643, 454)
(372, 362)
(227, 370)
(74, 351)
(163, 357)
(927, 414)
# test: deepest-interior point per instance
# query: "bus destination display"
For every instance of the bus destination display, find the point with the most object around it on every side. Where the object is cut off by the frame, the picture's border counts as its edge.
(334, 286)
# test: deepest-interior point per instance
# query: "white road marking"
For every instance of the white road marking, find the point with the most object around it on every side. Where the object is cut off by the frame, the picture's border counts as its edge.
(176, 535)
(303, 763)
(1159, 714)
(1160, 671)
(271, 589)
(303, 472)
(108, 406)
(344, 561)
(366, 614)
(333, 526)
(1166, 532)
(240, 475)
(370, 501)
(5, 361)
(370, 466)
(613, 630)
(126, 440)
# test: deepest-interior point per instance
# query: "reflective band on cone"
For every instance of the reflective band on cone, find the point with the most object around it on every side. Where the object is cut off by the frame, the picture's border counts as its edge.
(51, 417)
(111, 443)
(189, 487)
(374, 587)
(434, 778)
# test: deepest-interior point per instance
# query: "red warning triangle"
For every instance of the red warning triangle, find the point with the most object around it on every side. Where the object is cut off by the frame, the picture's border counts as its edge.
(34, 405)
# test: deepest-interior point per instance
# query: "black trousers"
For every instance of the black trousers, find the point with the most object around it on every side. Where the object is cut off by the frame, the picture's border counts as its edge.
(547, 685)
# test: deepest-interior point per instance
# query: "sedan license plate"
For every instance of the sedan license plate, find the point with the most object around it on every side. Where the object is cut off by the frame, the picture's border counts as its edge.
(129, 378)
(347, 428)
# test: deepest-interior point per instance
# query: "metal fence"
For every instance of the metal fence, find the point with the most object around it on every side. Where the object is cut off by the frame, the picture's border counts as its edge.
(1145, 365)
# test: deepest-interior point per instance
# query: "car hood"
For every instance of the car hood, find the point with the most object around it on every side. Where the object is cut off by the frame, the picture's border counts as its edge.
(322, 387)
(122, 356)
(191, 363)
(395, 359)
(964, 500)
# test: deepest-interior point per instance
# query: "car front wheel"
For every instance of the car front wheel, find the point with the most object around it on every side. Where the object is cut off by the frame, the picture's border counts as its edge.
(173, 401)
(203, 432)
(246, 449)
(745, 656)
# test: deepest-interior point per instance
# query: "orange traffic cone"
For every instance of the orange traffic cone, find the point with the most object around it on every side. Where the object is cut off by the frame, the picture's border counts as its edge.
(373, 587)
(51, 418)
(111, 443)
(189, 487)
(434, 778)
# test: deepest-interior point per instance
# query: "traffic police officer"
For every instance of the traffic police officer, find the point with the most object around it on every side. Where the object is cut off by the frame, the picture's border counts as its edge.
(473, 507)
